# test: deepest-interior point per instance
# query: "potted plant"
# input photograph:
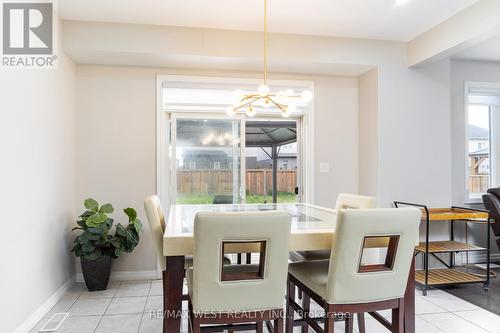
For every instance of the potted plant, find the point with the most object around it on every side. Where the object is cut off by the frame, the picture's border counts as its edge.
(97, 246)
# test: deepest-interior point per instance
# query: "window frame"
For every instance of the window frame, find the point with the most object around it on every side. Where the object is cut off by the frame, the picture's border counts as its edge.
(487, 87)
(306, 169)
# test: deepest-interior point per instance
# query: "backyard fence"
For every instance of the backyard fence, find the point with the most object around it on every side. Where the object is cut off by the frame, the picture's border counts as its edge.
(258, 181)
(478, 183)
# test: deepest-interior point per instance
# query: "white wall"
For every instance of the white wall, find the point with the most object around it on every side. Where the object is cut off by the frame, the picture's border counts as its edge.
(37, 195)
(414, 104)
(368, 133)
(116, 139)
(461, 72)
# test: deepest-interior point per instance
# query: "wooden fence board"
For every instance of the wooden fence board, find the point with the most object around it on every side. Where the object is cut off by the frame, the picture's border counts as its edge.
(258, 181)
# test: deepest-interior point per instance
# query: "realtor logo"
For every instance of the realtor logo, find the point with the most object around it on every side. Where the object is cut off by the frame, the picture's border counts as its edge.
(27, 34)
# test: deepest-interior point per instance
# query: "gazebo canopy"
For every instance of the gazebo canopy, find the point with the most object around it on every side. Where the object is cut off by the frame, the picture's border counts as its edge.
(270, 133)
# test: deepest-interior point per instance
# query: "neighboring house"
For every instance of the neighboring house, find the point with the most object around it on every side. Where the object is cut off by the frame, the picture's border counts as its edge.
(479, 162)
(251, 162)
(206, 160)
(286, 161)
(478, 138)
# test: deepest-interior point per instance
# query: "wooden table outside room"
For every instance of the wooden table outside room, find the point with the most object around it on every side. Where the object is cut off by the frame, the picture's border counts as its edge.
(313, 228)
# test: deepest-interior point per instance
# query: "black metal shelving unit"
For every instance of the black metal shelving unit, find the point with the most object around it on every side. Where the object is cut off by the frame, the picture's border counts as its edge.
(450, 274)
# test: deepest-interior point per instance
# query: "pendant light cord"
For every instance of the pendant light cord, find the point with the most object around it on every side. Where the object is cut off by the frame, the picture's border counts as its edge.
(265, 41)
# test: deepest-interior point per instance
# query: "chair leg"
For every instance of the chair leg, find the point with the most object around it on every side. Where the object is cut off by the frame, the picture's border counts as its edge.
(248, 257)
(329, 322)
(349, 323)
(278, 325)
(196, 326)
(238, 258)
(306, 306)
(398, 318)
(290, 295)
(361, 322)
(259, 327)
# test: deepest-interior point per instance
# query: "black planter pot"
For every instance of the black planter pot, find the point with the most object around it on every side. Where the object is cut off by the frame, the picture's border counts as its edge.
(96, 272)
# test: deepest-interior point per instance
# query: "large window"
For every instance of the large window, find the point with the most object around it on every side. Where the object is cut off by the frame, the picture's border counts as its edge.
(208, 157)
(483, 140)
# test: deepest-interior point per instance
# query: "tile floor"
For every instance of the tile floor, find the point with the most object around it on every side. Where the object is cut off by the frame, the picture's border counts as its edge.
(128, 307)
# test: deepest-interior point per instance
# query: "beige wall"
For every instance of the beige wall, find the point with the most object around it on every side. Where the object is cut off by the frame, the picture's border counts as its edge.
(368, 133)
(414, 103)
(116, 140)
(38, 177)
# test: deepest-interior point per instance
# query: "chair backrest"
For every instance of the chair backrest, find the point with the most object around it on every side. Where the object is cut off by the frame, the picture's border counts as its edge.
(354, 201)
(349, 281)
(264, 288)
(491, 202)
(156, 220)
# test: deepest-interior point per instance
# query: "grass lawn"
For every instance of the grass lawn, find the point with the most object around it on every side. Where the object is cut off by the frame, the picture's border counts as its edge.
(198, 199)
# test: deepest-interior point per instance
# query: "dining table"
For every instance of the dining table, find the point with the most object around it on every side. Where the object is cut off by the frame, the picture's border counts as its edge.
(313, 228)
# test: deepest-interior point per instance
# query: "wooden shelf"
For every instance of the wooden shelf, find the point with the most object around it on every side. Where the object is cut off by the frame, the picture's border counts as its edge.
(448, 246)
(446, 276)
(445, 214)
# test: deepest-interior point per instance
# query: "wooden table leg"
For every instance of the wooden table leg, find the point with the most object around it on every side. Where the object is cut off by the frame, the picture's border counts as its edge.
(409, 301)
(173, 279)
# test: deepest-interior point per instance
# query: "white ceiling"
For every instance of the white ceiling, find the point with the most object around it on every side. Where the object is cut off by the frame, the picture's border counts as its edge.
(371, 19)
(488, 50)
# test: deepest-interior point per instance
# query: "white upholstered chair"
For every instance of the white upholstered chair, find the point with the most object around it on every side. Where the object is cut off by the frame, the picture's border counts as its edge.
(157, 225)
(344, 201)
(345, 283)
(354, 201)
(238, 297)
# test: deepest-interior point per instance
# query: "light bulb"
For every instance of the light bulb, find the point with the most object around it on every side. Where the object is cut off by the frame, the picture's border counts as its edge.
(263, 90)
(230, 111)
(251, 112)
(281, 97)
(306, 96)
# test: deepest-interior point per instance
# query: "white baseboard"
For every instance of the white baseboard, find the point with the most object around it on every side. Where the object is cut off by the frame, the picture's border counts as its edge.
(126, 276)
(44, 308)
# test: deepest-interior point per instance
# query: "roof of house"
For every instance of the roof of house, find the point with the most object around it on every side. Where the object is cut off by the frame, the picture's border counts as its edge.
(480, 153)
(478, 133)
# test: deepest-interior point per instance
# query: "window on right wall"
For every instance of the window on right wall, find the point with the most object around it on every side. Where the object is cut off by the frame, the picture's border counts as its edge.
(478, 150)
(482, 139)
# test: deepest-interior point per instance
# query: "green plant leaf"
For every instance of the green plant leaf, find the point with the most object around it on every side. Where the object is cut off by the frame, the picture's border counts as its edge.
(118, 252)
(116, 242)
(91, 204)
(86, 214)
(120, 230)
(93, 255)
(106, 209)
(77, 228)
(96, 219)
(137, 225)
(88, 247)
(83, 238)
(131, 213)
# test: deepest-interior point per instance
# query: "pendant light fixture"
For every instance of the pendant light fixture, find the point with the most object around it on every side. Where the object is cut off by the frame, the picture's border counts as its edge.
(284, 101)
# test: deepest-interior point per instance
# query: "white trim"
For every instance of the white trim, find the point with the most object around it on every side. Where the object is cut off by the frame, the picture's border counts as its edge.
(39, 313)
(126, 276)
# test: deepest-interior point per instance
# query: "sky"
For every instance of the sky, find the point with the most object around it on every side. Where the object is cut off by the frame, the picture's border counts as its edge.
(479, 115)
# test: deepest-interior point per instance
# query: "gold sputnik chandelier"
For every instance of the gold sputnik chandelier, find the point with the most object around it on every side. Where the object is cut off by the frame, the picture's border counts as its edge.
(284, 100)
